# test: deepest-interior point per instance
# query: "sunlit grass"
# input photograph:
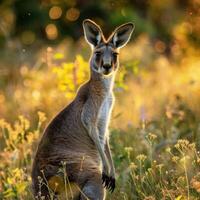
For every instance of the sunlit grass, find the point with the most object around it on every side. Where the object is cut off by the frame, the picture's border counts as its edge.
(154, 130)
(152, 170)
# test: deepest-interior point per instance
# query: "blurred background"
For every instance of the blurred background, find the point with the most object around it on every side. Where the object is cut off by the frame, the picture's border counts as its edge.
(160, 63)
(44, 59)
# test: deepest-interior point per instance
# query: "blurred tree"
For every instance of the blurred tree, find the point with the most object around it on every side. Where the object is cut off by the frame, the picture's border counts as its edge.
(52, 20)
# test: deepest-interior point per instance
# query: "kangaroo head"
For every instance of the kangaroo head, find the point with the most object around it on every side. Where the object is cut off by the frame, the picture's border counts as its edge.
(104, 59)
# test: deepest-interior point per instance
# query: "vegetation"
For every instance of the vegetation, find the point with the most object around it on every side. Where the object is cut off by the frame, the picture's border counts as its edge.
(155, 129)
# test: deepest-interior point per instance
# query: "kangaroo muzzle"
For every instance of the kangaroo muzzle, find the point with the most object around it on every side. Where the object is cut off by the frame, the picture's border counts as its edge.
(107, 68)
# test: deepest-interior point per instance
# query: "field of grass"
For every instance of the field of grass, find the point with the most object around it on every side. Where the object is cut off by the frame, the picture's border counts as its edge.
(155, 129)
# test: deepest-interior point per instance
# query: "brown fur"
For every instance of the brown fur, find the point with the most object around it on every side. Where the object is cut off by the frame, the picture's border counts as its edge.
(65, 139)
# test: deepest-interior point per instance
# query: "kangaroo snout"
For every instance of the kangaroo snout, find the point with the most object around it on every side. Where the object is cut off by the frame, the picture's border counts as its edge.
(107, 67)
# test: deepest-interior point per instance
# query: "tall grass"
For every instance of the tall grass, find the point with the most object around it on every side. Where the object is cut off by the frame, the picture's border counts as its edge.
(155, 129)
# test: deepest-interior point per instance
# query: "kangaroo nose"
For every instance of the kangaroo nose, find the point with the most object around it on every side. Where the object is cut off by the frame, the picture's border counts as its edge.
(107, 67)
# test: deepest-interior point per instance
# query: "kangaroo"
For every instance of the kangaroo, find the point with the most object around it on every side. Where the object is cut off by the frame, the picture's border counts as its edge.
(75, 145)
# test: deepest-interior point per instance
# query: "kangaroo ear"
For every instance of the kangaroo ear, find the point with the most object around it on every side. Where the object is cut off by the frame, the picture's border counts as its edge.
(93, 33)
(121, 35)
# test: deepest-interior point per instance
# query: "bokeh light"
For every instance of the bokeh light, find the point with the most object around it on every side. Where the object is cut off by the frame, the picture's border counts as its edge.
(55, 12)
(51, 31)
(36, 95)
(72, 14)
(160, 46)
(23, 70)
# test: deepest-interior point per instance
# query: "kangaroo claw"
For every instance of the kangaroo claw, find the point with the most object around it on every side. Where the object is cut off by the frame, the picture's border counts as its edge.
(108, 182)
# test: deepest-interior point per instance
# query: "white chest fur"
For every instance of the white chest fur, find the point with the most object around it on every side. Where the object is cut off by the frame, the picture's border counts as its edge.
(105, 112)
(104, 117)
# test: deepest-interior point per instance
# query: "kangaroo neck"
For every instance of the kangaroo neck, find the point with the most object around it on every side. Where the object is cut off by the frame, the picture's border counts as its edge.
(104, 83)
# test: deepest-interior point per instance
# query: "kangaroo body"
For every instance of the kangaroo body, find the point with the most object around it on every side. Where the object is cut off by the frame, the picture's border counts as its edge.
(75, 145)
(66, 139)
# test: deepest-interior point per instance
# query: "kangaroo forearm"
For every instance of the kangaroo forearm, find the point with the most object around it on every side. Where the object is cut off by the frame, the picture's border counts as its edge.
(109, 155)
(94, 136)
(101, 152)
